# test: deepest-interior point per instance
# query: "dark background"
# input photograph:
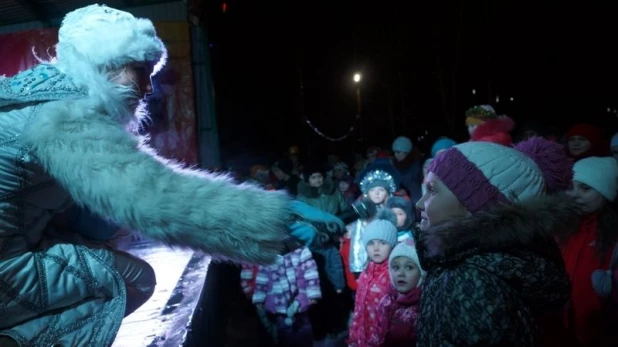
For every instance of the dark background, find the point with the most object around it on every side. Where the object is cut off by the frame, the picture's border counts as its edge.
(420, 62)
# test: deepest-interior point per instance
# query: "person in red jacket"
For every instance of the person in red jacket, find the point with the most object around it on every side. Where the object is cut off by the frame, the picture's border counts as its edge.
(484, 124)
(588, 252)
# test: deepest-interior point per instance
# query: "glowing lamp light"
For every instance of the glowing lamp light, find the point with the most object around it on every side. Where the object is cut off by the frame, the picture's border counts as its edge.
(224, 7)
(357, 77)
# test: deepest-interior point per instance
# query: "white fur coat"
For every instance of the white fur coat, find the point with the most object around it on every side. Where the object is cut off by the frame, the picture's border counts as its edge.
(85, 146)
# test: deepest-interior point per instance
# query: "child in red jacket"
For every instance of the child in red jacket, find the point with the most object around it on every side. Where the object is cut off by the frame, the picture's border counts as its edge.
(379, 238)
(398, 309)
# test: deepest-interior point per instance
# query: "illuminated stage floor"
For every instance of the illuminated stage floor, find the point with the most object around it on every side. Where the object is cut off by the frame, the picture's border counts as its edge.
(166, 318)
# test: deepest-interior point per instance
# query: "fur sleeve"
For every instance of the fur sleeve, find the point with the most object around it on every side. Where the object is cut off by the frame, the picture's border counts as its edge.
(116, 175)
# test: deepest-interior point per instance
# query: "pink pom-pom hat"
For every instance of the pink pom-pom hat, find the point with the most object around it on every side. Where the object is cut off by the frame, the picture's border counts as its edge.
(482, 174)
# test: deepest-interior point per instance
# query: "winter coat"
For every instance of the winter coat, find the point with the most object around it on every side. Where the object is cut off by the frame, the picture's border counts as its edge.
(489, 275)
(326, 198)
(588, 315)
(61, 144)
(294, 277)
(350, 279)
(373, 284)
(397, 314)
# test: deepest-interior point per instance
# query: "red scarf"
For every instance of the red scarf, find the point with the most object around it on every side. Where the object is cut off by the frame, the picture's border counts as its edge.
(584, 316)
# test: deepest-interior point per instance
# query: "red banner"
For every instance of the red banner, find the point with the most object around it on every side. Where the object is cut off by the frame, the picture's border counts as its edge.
(173, 131)
(19, 50)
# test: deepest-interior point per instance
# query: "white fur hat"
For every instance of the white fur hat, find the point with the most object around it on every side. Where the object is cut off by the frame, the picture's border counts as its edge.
(601, 174)
(107, 37)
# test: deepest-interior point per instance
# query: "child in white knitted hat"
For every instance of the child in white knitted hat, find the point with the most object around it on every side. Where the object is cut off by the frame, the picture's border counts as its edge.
(380, 237)
(398, 309)
(588, 251)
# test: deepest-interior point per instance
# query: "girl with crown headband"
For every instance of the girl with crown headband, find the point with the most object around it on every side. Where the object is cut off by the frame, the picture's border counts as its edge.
(66, 141)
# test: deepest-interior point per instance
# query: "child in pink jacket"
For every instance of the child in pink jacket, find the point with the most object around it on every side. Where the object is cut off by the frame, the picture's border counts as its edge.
(398, 309)
(379, 238)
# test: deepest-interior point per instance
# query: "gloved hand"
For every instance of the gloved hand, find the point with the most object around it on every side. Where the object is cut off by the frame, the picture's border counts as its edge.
(308, 220)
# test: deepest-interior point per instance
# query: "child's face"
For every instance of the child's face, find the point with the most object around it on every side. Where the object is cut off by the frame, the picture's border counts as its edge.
(438, 204)
(316, 180)
(378, 251)
(378, 195)
(401, 216)
(578, 145)
(589, 198)
(405, 274)
(344, 186)
(400, 156)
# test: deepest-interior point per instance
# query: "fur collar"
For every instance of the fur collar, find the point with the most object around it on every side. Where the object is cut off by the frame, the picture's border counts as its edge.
(526, 225)
(104, 96)
(491, 127)
(328, 188)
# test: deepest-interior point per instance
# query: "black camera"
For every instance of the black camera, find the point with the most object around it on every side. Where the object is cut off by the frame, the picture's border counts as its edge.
(361, 209)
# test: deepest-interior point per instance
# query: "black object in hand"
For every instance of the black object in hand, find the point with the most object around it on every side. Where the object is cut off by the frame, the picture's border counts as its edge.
(361, 209)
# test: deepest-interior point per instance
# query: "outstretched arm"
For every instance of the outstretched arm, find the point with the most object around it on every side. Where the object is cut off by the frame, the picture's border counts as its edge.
(117, 175)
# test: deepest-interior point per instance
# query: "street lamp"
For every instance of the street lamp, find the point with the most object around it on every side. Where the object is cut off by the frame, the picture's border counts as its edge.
(357, 78)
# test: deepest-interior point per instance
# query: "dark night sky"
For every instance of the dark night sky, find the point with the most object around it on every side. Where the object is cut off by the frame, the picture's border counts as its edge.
(557, 62)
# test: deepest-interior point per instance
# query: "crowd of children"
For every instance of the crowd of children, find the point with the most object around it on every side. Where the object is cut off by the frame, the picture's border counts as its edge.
(499, 256)
(376, 272)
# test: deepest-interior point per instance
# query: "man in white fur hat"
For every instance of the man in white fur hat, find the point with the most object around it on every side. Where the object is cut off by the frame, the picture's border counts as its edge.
(65, 142)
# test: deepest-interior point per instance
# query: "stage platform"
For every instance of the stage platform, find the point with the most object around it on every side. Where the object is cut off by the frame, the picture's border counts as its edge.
(167, 319)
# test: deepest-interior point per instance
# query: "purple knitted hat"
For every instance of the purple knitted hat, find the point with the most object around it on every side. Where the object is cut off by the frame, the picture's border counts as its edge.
(481, 174)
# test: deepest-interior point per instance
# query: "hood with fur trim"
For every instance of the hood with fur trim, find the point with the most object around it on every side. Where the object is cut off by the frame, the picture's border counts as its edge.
(505, 227)
(522, 234)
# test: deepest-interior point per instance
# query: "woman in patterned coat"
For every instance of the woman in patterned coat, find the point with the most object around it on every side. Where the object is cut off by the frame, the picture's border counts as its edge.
(486, 243)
